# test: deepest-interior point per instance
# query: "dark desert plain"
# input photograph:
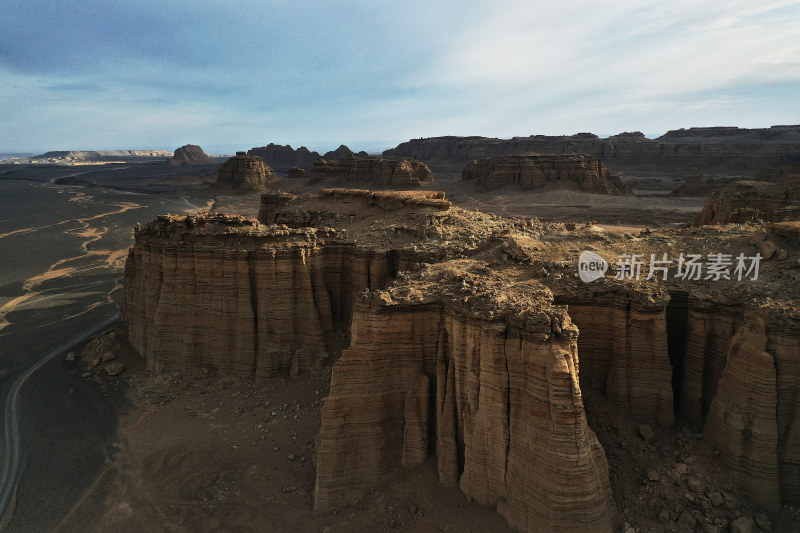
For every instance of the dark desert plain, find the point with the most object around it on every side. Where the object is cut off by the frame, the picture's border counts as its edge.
(63, 248)
(191, 452)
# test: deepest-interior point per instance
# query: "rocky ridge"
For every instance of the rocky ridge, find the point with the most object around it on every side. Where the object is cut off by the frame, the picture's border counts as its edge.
(247, 298)
(711, 151)
(539, 171)
(283, 158)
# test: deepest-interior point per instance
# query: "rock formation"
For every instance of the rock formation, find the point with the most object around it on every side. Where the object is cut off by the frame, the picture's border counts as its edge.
(380, 171)
(282, 158)
(297, 173)
(742, 417)
(464, 348)
(342, 152)
(711, 151)
(500, 392)
(190, 154)
(787, 173)
(749, 201)
(244, 173)
(539, 171)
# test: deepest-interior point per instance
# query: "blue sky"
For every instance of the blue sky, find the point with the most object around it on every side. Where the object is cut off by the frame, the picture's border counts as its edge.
(98, 74)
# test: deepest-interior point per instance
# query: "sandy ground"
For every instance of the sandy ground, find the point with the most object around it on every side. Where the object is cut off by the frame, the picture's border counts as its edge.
(203, 453)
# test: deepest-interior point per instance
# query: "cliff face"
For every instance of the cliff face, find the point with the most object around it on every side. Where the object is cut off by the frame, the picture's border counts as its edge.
(283, 158)
(469, 358)
(538, 171)
(384, 171)
(748, 201)
(500, 395)
(261, 298)
(624, 354)
(697, 150)
(190, 154)
(790, 173)
(244, 173)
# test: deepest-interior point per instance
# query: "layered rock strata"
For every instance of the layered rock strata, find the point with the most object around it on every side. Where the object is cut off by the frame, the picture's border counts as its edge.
(380, 171)
(500, 394)
(539, 171)
(244, 173)
(779, 174)
(712, 151)
(248, 297)
(752, 201)
(260, 298)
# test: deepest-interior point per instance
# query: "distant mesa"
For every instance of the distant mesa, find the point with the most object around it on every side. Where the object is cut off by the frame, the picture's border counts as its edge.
(753, 201)
(283, 158)
(244, 173)
(296, 172)
(380, 171)
(540, 171)
(190, 154)
(711, 151)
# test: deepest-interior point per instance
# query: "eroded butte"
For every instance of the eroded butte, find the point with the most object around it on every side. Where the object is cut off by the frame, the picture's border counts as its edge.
(470, 339)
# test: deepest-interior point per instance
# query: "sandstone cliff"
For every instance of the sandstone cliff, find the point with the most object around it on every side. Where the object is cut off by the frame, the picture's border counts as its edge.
(500, 394)
(749, 201)
(190, 154)
(475, 359)
(282, 158)
(379, 171)
(711, 151)
(261, 298)
(244, 173)
(539, 171)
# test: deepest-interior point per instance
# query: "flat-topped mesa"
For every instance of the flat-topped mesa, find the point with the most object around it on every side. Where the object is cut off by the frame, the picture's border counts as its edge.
(753, 201)
(711, 151)
(244, 173)
(332, 205)
(539, 171)
(190, 154)
(378, 171)
(487, 383)
(282, 158)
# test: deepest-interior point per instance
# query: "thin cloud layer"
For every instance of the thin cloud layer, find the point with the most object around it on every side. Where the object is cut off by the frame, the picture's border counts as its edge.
(99, 74)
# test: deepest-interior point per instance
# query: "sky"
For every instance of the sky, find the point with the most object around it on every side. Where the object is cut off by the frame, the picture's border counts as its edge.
(141, 74)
